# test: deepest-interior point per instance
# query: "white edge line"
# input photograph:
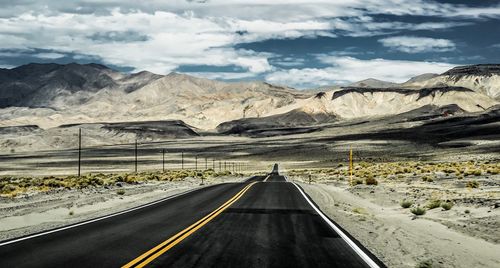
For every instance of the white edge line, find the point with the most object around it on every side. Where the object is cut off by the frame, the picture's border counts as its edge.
(97, 219)
(351, 243)
(265, 180)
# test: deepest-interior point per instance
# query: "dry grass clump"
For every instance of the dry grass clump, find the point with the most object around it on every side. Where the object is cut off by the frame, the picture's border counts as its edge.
(427, 179)
(418, 210)
(13, 186)
(371, 181)
(472, 184)
(406, 203)
(434, 203)
(355, 182)
(447, 205)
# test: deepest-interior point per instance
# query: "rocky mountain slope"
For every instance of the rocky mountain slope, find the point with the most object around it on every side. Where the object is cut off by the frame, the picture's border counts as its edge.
(482, 78)
(49, 95)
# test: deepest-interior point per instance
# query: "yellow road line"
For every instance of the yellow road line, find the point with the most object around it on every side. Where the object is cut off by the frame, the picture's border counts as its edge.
(174, 240)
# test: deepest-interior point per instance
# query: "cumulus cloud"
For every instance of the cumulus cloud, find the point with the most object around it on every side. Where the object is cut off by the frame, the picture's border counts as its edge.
(160, 36)
(49, 55)
(222, 75)
(344, 70)
(413, 44)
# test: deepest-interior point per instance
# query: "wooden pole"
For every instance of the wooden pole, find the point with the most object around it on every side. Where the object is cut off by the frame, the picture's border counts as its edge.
(163, 159)
(136, 156)
(350, 164)
(79, 150)
(182, 160)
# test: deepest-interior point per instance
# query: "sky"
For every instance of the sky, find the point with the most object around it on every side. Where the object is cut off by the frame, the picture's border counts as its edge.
(299, 43)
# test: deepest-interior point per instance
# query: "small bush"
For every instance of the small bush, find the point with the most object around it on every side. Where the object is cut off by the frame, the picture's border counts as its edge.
(434, 204)
(427, 179)
(477, 172)
(371, 181)
(473, 184)
(355, 182)
(71, 213)
(467, 211)
(424, 264)
(447, 205)
(418, 210)
(406, 203)
(120, 192)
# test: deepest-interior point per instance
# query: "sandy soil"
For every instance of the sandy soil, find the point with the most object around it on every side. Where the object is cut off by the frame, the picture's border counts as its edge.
(445, 238)
(34, 212)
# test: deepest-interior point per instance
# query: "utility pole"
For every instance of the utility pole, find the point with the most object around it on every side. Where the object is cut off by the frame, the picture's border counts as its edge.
(195, 162)
(206, 164)
(233, 167)
(182, 160)
(163, 159)
(225, 167)
(213, 164)
(79, 150)
(135, 155)
(350, 163)
(220, 166)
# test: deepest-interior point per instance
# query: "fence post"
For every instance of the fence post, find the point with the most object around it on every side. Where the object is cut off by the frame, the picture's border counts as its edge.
(79, 150)
(213, 164)
(206, 164)
(195, 162)
(182, 160)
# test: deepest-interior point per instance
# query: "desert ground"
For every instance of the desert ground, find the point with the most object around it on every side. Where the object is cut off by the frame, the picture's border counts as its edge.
(413, 202)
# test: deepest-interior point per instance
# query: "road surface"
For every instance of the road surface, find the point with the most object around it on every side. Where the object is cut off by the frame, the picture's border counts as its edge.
(265, 221)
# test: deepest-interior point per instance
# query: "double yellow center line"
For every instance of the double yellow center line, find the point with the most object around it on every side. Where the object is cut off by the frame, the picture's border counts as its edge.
(163, 247)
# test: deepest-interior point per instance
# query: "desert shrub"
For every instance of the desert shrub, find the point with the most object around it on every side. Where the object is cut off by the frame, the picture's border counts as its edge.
(71, 213)
(427, 179)
(447, 205)
(434, 203)
(418, 210)
(467, 211)
(493, 171)
(8, 188)
(359, 210)
(424, 264)
(371, 181)
(472, 184)
(477, 172)
(120, 192)
(355, 182)
(406, 203)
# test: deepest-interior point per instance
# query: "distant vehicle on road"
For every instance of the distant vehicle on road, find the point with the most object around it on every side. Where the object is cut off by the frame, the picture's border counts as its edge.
(275, 169)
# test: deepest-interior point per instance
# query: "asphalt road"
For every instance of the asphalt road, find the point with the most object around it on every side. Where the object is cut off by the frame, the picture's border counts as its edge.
(262, 222)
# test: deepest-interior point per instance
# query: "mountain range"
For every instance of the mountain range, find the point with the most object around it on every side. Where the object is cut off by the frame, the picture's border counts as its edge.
(51, 95)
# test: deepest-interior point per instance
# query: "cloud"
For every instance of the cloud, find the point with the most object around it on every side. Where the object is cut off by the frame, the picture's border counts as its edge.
(222, 75)
(49, 55)
(344, 70)
(160, 36)
(413, 44)
(288, 61)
